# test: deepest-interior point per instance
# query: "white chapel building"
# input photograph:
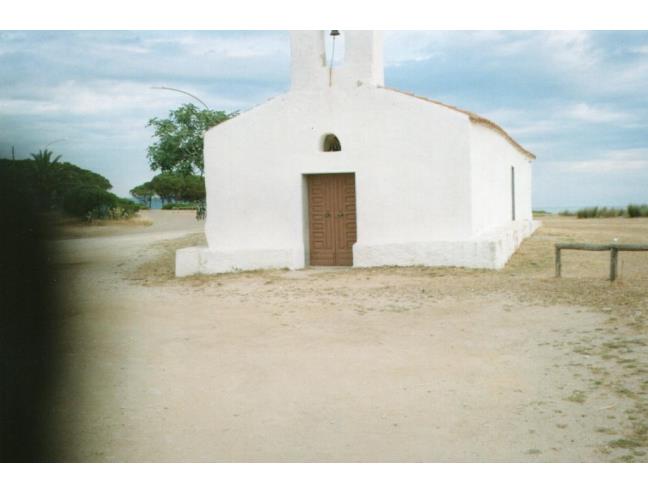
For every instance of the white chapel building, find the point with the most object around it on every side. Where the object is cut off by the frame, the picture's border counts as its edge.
(342, 170)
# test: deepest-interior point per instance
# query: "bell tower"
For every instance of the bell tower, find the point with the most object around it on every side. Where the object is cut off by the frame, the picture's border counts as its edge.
(364, 57)
(362, 64)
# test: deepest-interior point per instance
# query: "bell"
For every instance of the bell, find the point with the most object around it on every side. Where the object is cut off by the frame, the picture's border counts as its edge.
(335, 32)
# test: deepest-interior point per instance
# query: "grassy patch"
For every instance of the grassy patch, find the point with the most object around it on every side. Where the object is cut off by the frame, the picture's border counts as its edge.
(626, 458)
(605, 430)
(577, 397)
(624, 443)
(622, 391)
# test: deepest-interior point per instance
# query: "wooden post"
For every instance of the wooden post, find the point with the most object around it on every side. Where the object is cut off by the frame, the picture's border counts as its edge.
(558, 264)
(614, 255)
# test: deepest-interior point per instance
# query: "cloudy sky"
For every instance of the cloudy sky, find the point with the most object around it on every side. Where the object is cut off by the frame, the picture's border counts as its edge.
(578, 100)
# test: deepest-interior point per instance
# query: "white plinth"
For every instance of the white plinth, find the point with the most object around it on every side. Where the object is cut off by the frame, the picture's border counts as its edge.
(490, 250)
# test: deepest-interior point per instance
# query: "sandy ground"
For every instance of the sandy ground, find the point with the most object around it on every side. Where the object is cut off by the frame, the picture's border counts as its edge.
(381, 364)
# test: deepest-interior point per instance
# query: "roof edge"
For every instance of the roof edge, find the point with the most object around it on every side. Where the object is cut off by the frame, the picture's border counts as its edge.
(474, 118)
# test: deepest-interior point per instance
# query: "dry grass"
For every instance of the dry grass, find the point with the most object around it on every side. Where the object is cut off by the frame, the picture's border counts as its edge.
(65, 227)
(160, 267)
(127, 222)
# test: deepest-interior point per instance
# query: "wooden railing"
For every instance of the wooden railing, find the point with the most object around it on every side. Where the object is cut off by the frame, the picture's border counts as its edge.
(614, 249)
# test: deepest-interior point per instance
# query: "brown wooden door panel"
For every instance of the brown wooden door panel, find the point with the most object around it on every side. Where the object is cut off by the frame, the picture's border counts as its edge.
(322, 245)
(332, 215)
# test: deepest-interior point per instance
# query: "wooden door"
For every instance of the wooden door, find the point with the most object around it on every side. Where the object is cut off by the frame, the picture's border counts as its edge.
(332, 217)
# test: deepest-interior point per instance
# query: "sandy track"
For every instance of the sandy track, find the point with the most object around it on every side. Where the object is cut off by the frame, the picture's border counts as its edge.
(390, 364)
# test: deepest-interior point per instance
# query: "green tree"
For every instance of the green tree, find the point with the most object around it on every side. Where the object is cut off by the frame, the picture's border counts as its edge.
(173, 187)
(168, 186)
(143, 193)
(45, 176)
(46, 179)
(45, 182)
(193, 188)
(179, 139)
(65, 175)
(44, 157)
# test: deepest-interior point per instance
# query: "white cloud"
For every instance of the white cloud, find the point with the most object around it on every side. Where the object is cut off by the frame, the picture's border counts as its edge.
(550, 120)
(103, 98)
(595, 114)
(534, 128)
(417, 46)
(413, 46)
(611, 162)
(576, 57)
(570, 50)
(640, 50)
(582, 60)
(243, 46)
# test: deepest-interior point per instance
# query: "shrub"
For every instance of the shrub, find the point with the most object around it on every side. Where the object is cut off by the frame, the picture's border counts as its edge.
(638, 210)
(631, 211)
(611, 212)
(587, 213)
(201, 211)
(89, 202)
(127, 208)
(180, 206)
(600, 212)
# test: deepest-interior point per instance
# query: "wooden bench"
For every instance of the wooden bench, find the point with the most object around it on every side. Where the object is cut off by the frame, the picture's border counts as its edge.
(614, 249)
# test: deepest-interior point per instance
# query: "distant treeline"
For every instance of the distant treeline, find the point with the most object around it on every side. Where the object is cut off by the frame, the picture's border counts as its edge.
(631, 211)
(48, 184)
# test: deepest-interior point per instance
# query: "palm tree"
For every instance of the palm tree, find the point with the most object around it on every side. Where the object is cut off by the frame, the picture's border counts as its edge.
(45, 175)
(44, 157)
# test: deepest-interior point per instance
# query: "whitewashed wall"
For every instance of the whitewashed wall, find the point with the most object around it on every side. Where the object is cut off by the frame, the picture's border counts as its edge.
(412, 180)
(491, 159)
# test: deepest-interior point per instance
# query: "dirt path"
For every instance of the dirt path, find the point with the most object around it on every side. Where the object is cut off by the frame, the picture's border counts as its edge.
(386, 364)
